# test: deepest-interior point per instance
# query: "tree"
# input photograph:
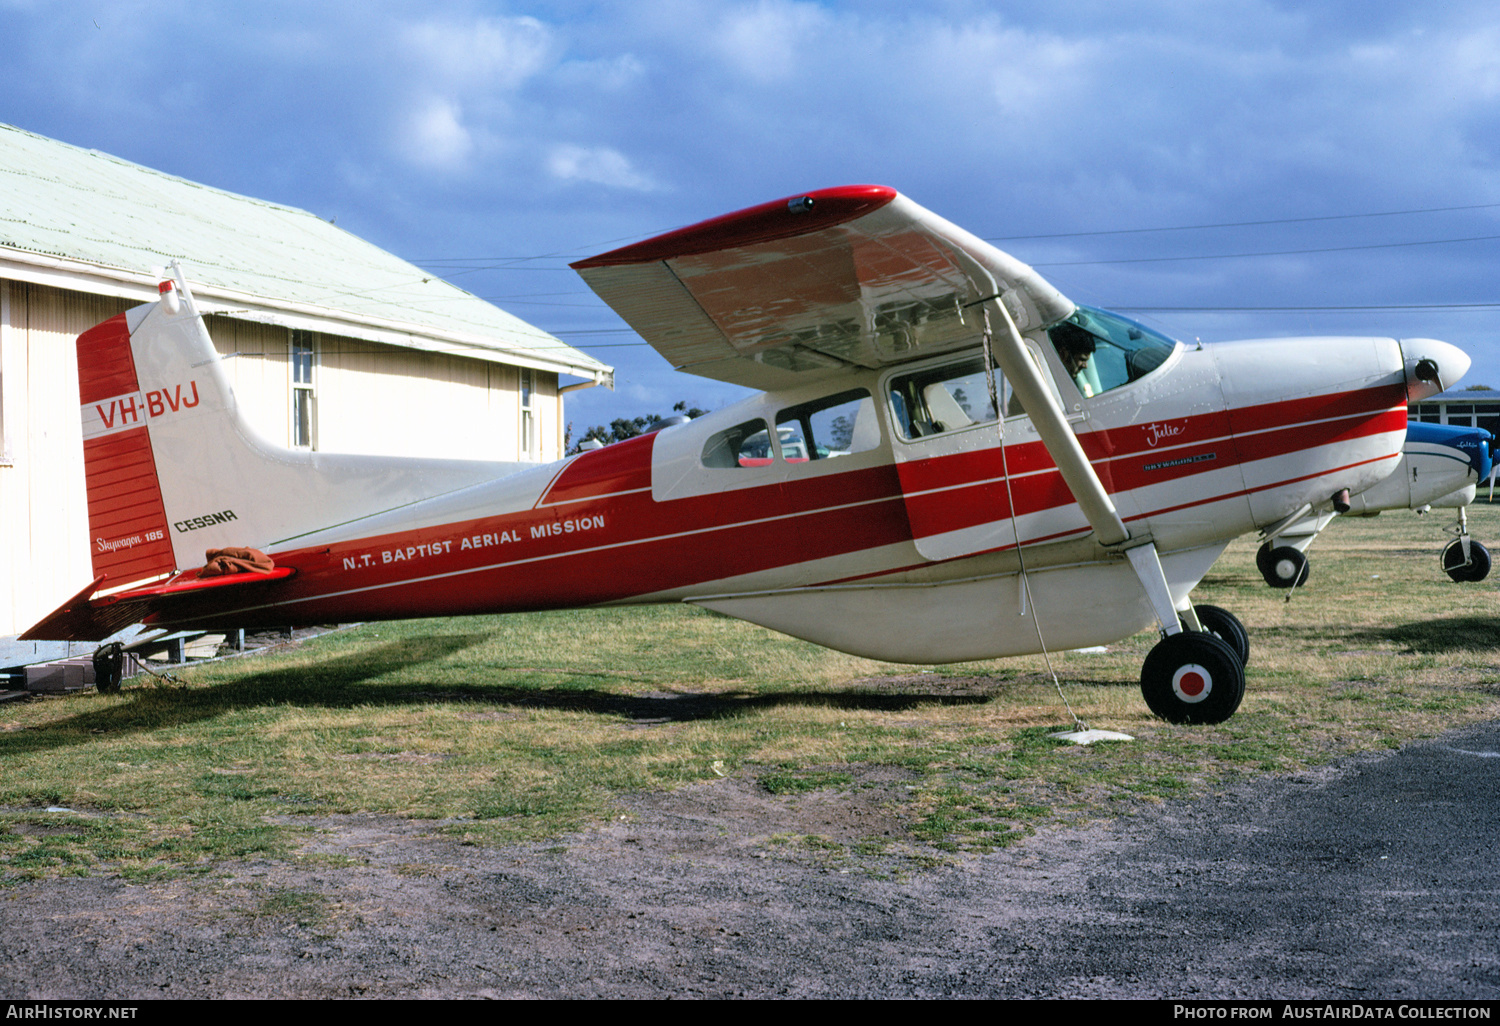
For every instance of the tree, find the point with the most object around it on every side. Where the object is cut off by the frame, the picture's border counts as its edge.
(840, 433)
(622, 428)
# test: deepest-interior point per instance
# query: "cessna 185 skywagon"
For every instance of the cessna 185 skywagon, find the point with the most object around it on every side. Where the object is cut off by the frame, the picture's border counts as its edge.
(950, 461)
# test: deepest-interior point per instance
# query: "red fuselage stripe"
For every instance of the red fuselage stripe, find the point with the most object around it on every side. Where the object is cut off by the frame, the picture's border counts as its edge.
(597, 535)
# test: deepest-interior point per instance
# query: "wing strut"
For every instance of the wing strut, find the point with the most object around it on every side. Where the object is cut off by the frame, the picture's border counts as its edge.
(1077, 472)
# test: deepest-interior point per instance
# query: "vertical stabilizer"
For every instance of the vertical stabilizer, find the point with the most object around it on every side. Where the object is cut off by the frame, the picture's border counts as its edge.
(174, 468)
(128, 533)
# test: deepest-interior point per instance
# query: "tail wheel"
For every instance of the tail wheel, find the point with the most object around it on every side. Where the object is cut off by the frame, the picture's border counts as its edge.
(1282, 567)
(109, 666)
(1476, 569)
(1193, 678)
(1227, 627)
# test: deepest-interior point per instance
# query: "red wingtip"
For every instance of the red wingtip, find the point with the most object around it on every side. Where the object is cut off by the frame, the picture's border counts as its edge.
(779, 219)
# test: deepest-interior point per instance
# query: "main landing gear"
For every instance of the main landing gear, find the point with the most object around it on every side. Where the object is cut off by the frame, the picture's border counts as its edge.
(1198, 676)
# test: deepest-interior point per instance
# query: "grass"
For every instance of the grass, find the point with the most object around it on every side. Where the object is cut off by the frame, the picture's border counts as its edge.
(527, 727)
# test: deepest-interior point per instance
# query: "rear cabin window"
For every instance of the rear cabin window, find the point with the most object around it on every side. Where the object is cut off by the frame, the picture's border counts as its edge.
(825, 428)
(744, 445)
(836, 425)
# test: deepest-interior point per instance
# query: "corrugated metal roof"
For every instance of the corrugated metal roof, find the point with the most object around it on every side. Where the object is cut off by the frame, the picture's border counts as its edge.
(68, 213)
(1483, 395)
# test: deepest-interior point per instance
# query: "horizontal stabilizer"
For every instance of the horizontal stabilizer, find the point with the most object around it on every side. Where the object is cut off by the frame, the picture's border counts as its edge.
(86, 618)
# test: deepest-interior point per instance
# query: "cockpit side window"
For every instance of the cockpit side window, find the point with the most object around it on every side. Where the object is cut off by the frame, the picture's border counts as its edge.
(1102, 350)
(946, 398)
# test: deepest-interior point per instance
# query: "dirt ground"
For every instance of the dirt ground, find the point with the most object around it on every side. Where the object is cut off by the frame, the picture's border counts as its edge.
(1372, 879)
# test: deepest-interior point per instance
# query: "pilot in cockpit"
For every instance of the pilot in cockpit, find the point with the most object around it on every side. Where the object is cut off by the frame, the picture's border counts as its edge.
(1075, 347)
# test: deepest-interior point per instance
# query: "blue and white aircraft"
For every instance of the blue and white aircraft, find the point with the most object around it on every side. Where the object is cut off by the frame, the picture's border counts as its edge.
(1441, 466)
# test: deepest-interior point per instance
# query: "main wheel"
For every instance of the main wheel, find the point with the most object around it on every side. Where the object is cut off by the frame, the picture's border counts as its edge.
(1227, 627)
(1193, 678)
(1282, 567)
(1476, 569)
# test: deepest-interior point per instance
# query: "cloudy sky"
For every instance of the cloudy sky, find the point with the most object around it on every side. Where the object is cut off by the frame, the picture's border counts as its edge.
(1220, 169)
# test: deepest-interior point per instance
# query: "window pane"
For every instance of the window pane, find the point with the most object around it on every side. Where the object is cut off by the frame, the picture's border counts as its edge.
(744, 445)
(302, 357)
(941, 399)
(836, 425)
(302, 417)
(1102, 350)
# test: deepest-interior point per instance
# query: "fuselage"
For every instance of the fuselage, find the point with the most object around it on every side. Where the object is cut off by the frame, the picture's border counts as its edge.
(1205, 447)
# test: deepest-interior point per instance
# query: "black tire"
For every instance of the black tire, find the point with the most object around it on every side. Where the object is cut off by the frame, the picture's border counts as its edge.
(1282, 567)
(1478, 567)
(1227, 627)
(1263, 561)
(1193, 677)
(109, 666)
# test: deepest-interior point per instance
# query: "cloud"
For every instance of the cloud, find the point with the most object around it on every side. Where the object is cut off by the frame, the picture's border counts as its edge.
(461, 79)
(599, 164)
(485, 53)
(767, 41)
(433, 135)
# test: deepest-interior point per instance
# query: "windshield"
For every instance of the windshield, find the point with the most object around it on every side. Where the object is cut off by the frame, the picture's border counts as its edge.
(1102, 350)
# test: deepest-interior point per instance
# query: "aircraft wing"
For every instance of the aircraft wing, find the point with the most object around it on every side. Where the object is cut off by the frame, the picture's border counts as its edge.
(803, 287)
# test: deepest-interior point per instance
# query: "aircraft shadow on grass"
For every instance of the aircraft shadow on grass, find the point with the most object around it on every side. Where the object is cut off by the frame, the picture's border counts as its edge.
(352, 679)
(1446, 634)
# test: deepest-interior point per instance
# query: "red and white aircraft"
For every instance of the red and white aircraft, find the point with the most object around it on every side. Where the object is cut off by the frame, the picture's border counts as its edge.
(950, 461)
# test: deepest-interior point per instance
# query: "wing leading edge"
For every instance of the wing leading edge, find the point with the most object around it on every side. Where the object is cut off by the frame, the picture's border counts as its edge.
(803, 287)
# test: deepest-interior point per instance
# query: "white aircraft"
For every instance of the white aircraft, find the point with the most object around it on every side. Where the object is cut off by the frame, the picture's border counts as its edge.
(951, 461)
(1441, 467)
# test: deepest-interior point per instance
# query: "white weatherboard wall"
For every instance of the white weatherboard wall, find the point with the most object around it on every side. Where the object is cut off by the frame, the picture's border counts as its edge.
(44, 555)
(384, 400)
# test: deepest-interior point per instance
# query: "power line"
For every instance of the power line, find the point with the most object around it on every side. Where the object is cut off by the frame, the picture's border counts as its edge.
(1350, 308)
(1282, 252)
(466, 262)
(1241, 224)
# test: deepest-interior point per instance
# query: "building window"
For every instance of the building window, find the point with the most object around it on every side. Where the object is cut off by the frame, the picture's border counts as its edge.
(304, 397)
(528, 414)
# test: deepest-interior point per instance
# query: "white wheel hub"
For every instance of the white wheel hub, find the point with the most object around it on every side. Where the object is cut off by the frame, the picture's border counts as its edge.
(1192, 683)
